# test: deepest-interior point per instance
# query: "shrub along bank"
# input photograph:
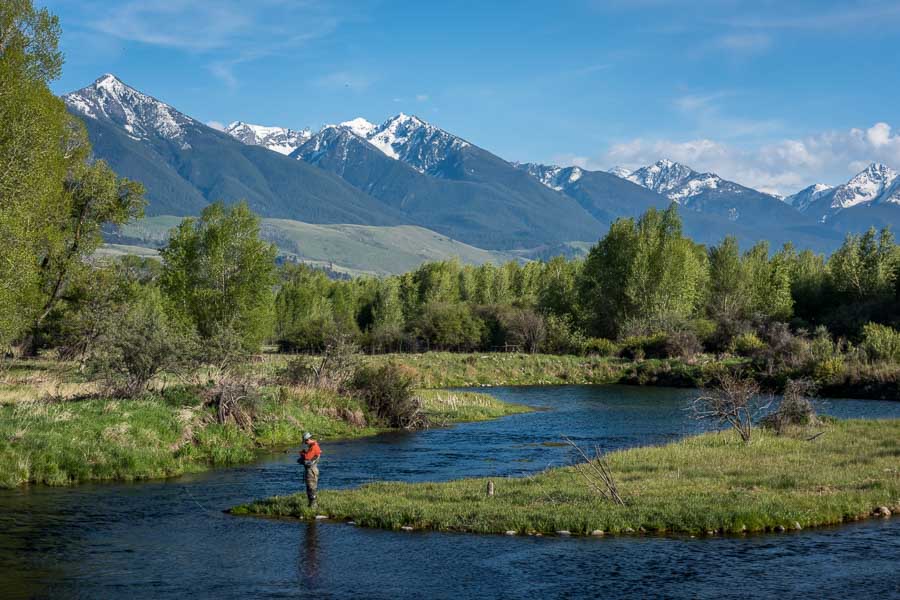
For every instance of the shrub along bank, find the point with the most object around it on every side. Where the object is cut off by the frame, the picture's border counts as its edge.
(711, 483)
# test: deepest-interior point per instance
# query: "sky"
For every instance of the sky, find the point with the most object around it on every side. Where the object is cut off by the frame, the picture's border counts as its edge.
(772, 94)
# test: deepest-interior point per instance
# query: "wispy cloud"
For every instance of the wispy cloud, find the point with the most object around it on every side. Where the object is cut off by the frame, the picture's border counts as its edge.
(744, 43)
(709, 116)
(815, 17)
(231, 32)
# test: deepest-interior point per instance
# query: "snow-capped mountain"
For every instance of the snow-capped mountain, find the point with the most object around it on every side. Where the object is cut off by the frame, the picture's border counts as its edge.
(679, 182)
(867, 186)
(876, 185)
(140, 115)
(409, 139)
(621, 172)
(278, 139)
(555, 178)
(808, 195)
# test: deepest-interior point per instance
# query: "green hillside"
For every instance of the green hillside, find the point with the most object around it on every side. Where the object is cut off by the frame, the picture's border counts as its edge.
(353, 249)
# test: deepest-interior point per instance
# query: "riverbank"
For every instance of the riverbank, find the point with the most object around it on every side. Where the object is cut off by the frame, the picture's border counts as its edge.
(709, 483)
(55, 430)
(447, 369)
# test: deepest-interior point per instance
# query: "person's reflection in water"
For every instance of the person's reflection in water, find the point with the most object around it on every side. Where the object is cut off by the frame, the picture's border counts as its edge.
(309, 556)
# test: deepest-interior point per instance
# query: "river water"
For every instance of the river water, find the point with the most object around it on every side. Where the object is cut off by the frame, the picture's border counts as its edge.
(165, 539)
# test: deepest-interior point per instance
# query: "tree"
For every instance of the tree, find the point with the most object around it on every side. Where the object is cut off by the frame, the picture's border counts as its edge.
(219, 275)
(449, 326)
(32, 163)
(863, 268)
(387, 314)
(53, 200)
(644, 271)
(728, 285)
(769, 284)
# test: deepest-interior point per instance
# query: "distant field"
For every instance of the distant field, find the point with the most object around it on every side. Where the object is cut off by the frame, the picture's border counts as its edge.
(354, 249)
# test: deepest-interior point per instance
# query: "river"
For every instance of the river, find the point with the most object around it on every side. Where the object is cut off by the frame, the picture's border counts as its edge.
(164, 539)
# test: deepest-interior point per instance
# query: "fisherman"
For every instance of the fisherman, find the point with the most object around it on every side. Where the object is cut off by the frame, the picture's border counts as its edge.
(309, 456)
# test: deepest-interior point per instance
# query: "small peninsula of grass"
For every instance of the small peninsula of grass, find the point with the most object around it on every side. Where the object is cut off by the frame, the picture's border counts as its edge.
(706, 483)
(49, 438)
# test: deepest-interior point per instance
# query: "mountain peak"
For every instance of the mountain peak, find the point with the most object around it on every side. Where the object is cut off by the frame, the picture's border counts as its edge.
(142, 116)
(360, 126)
(278, 139)
(664, 176)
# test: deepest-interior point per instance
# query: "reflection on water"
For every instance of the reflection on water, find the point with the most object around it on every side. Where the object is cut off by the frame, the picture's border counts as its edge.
(309, 556)
(170, 538)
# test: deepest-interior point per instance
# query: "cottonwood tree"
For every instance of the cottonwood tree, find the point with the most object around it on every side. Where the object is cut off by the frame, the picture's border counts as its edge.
(53, 199)
(643, 270)
(219, 275)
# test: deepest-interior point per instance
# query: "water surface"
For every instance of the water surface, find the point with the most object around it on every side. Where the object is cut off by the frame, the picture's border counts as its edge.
(170, 538)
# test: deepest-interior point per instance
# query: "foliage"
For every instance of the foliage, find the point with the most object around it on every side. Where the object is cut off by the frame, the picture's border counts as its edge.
(387, 391)
(53, 199)
(447, 326)
(219, 275)
(599, 347)
(135, 343)
(748, 344)
(641, 270)
(881, 342)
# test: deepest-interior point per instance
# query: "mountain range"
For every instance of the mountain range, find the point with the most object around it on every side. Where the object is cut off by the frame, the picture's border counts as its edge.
(407, 171)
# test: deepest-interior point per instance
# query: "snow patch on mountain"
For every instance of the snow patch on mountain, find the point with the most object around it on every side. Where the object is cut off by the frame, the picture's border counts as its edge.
(807, 195)
(620, 172)
(277, 139)
(359, 126)
(676, 181)
(866, 187)
(140, 115)
(409, 139)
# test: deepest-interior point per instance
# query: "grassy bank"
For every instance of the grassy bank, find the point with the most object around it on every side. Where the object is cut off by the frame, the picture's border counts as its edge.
(447, 369)
(707, 483)
(47, 436)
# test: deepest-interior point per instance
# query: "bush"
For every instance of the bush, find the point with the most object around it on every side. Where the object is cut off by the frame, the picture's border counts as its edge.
(562, 336)
(333, 369)
(387, 392)
(795, 407)
(600, 347)
(640, 347)
(747, 344)
(683, 344)
(449, 326)
(137, 342)
(881, 342)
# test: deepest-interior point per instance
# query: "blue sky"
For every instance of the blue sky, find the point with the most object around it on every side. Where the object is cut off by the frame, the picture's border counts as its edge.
(772, 94)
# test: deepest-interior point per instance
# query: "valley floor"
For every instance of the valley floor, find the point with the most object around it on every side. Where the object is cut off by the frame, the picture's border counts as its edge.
(707, 484)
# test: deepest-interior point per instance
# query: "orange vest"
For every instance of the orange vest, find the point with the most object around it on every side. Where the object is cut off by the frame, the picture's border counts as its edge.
(312, 451)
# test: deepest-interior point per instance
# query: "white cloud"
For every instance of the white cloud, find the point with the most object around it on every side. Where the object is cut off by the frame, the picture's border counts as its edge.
(217, 125)
(783, 166)
(422, 97)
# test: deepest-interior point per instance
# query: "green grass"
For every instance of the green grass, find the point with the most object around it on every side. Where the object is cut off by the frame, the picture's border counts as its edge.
(707, 483)
(45, 438)
(353, 249)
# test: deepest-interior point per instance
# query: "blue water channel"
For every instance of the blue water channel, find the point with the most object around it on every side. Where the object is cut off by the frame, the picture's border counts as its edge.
(168, 539)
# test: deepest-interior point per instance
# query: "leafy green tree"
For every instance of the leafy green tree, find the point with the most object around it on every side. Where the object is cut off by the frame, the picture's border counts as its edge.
(728, 282)
(449, 326)
(643, 271)
(219, 274)
(53, 200)
(387, 314)
(557, 294)
(32, 163)
(864, 267)
(769, 291)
